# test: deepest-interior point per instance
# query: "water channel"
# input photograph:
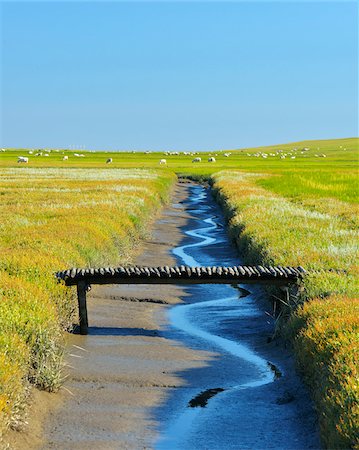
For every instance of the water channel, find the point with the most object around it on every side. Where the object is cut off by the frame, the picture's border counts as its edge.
(243, 398)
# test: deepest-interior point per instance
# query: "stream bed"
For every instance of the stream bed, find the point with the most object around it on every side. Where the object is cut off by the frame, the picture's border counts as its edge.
(248, 396)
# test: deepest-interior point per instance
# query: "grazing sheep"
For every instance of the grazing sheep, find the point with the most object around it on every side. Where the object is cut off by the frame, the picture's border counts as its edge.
(196, 160)
(212, 159)
(22, 159)
(109, 161)
(226, 155)
(65, 158)
(163, 161)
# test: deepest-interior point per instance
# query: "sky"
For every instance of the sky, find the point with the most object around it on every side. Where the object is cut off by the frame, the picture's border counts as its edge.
(177, 75)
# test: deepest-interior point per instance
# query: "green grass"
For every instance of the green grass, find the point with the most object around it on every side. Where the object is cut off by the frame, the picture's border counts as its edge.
(340, 153)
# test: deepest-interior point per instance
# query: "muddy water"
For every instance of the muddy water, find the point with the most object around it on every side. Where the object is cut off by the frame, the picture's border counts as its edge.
(248, 396)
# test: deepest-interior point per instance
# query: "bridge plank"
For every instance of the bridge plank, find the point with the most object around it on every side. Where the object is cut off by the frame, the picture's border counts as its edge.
(181, 275)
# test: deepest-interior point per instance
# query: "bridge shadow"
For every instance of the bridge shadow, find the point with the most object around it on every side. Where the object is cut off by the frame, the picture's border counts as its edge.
(114, 331)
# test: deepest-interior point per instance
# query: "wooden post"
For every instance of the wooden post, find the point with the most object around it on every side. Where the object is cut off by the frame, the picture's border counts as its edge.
(81, 297)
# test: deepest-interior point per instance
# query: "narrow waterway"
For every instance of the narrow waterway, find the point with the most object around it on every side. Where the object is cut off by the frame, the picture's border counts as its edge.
(244, 398)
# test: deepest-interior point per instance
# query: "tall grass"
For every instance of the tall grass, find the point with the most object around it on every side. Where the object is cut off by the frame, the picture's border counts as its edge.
(51, 219)
(305, 230)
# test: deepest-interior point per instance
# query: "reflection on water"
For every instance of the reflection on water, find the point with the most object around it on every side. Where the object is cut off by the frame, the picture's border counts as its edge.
(180, 318)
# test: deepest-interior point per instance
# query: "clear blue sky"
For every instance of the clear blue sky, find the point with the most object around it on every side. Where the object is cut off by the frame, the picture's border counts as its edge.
(177, 75)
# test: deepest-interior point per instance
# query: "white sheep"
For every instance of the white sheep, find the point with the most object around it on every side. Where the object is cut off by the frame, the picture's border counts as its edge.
(109, 161)
(196, 160)
(22, 159)
(163, 161)
(65, 158)
(211, 159)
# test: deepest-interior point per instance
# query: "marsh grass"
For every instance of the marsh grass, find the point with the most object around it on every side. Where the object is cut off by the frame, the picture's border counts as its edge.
(53, 219)
(320, 234)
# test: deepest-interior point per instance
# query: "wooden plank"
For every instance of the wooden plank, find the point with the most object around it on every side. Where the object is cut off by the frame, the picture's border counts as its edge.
(81, 298)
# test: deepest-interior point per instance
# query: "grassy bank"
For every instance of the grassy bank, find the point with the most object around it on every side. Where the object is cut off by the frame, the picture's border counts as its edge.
(53, 219)
(272, 226)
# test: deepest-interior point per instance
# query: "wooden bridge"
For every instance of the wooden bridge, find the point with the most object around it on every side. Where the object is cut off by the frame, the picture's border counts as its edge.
(83, 278)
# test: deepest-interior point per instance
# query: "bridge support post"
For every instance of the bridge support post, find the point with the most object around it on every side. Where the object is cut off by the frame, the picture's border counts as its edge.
(81, 298)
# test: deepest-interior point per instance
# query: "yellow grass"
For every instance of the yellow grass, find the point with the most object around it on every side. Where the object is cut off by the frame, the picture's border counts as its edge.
(322, 236)
(52, 219)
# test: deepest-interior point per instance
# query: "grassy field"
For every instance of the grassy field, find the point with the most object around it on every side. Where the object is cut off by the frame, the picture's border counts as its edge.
(51, 219)
(294, 204)
(340, 153)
